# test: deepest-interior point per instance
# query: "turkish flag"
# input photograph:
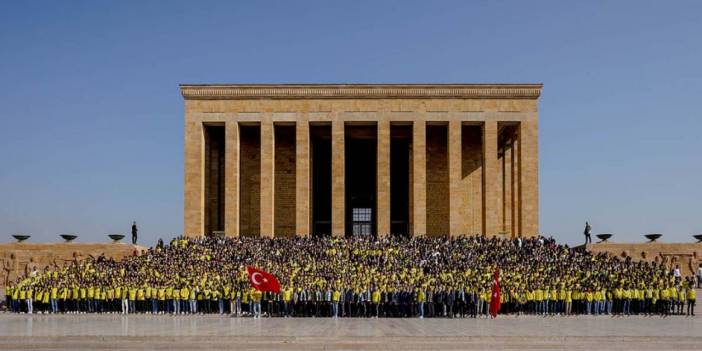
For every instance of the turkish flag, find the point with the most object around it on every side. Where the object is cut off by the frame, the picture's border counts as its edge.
(495, 298)
(262, 280)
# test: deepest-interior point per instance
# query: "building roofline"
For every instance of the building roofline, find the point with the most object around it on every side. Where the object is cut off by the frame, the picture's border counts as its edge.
(359, 91)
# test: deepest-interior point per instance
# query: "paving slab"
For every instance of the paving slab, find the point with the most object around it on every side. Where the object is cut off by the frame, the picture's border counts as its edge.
(83, 332)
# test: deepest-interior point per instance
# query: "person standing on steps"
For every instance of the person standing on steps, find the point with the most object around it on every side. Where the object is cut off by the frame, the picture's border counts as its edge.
(134, 233)
(588, 230)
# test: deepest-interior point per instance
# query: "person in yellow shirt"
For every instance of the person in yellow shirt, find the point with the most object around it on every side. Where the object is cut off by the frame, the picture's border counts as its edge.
(246, 301)
(175, 297)
(83, 299)
(161, 293)
(420, 298)
(152, 296)
(16, 299)
(610, 300)
(97, 299)
(131, 299)
(169, 300)
(140, 299)
(626, 298)
(672, 298)
(256, 299)
(54, 299)
(599, 302)
(336, 297)
(192, 293)
(665, 298)
(539, 299)
(530, 297)
(589, 297)
(8, 297)
(287, 301)
(218, 296)
(90, 297)
(185, 303)
(64, 299)
(682, 297)
(560, 305)
(236, 300)
(691, 299)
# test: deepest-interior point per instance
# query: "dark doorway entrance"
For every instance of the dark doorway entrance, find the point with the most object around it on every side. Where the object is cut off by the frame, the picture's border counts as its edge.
(400, 142)
(321, 179)
(360, 146)
(214, 178)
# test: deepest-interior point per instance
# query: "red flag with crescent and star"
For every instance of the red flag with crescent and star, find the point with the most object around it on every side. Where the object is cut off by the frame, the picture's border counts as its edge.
(262, 280)
(495, 298)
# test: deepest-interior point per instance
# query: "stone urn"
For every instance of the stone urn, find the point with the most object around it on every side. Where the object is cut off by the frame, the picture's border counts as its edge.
(21, 237)
(68, 237)
(603, 237)
(653, 237)
(116, 237)
(698, 237)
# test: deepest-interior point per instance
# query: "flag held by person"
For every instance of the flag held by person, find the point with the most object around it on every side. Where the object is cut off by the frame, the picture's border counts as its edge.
(262, 280)
(495, 298)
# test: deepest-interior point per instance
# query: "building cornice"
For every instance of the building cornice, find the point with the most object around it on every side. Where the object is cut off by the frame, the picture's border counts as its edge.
(359, 91)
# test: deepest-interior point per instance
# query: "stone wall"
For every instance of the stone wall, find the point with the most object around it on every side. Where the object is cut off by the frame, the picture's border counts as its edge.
(20, 258)
(437, 181)
(250, 194)
(472, 180)
(284, 181)
(687, 255)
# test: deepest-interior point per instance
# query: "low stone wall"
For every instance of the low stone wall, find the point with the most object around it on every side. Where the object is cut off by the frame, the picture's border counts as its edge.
(687, 255)
(19, 258)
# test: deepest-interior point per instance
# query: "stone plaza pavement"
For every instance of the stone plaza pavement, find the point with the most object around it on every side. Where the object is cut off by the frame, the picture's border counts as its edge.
(114, 332)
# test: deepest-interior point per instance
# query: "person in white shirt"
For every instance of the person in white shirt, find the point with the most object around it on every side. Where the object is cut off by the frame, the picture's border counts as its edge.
(676, 271)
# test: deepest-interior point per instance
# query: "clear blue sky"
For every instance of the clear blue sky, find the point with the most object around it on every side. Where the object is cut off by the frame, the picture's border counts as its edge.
(91, 119)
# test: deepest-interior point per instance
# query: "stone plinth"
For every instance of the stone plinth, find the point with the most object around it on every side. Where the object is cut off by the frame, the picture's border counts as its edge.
(19, 258)
(687, 255)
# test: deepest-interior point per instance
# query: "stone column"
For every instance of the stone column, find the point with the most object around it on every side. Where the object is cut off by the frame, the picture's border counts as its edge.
(383, 178)
(419, 178)
(302, 177)
(267, 177)
(490, 178)
(456, 193)
(338, 179)
(194, 205)
(529, 177)
(231, 179)
(516, 202)
(507, 188)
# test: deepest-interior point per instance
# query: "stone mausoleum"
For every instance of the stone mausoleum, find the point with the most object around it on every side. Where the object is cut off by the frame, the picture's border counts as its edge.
(361, 159)
(356, 159)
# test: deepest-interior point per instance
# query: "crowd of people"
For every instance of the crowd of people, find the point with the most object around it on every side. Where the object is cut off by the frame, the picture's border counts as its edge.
(357, 277)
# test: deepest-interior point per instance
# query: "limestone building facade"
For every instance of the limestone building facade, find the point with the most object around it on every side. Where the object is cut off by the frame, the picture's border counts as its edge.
(361, 159)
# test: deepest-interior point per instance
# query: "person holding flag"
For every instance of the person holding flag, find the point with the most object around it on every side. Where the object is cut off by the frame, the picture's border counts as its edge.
(495, 297)
(261, 281)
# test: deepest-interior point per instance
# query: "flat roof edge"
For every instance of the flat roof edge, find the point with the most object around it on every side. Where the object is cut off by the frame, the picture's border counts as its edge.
(359, 91)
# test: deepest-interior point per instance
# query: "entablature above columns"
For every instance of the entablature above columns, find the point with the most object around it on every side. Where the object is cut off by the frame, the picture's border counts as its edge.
(359, 91)
(361, 98)
(366, 116)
